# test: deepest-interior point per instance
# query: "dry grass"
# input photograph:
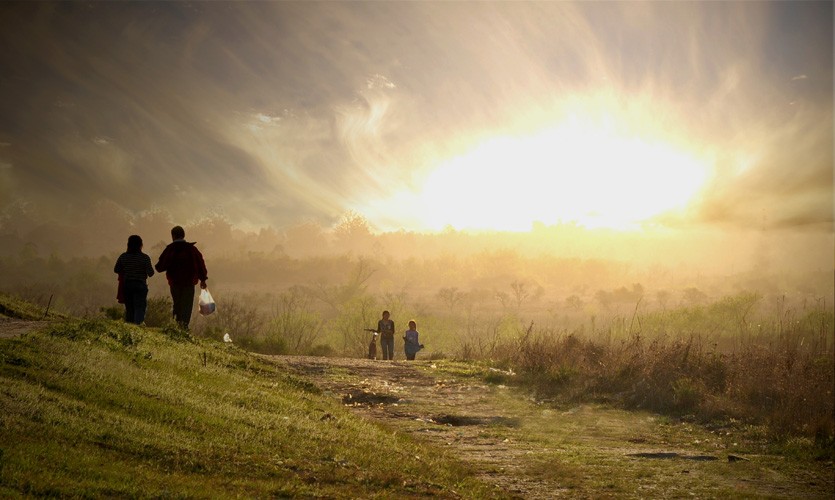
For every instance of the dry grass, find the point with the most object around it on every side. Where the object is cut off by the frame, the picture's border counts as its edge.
(776, 372)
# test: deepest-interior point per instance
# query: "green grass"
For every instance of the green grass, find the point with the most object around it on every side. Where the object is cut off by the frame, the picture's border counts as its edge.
(94, 408)
(12, 307)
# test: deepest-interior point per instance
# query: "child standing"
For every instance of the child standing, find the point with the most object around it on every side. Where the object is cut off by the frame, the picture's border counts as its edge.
(385, 327)
(412, 342)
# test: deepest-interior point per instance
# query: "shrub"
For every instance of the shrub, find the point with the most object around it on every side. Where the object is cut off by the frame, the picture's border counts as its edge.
(687, 395)
(294, 322)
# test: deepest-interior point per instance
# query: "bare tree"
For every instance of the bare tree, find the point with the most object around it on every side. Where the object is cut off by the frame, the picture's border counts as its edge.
(337, 295)
(357, 315)
(520, 292)
(574, 303)
(450, 297)
(294, 321)
(503, 298)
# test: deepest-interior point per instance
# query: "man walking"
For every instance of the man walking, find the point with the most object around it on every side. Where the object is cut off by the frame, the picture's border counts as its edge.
(184, 267)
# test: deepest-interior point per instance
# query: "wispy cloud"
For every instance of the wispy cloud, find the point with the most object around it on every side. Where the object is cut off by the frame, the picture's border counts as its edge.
(280, 111)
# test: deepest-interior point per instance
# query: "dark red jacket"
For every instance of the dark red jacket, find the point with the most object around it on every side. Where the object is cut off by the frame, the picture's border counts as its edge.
(183, 264)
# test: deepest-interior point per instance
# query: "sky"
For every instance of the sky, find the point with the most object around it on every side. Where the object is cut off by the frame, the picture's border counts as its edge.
(422, 115)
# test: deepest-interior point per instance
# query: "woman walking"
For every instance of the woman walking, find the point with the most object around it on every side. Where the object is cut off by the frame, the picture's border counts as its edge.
(134, 268)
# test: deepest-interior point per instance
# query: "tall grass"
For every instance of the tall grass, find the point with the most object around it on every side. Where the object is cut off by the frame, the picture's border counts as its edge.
(721, 361)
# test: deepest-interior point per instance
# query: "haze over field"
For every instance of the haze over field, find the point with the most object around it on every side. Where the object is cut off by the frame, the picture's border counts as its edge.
(705, 126)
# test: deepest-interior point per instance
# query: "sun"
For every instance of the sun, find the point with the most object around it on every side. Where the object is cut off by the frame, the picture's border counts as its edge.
(593, 175)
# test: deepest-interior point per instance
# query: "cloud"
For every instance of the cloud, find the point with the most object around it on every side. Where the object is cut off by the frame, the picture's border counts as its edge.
(276, 112)
(378, 81)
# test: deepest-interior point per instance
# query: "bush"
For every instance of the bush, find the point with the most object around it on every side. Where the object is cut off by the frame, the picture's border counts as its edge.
(687, 395)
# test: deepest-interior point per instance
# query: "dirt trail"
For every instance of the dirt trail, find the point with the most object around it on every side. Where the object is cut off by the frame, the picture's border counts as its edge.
(442, 409)
(10, 327)
(527, 449)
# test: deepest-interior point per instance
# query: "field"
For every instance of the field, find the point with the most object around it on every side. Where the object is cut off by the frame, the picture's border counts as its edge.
(750, 347)
(94, 407)
(598, 365)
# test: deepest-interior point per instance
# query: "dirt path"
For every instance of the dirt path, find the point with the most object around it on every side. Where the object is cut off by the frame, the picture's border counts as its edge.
(528, 449)
(13, 327)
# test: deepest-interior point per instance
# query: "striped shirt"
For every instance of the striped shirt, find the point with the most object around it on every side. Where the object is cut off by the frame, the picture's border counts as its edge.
(134, 266)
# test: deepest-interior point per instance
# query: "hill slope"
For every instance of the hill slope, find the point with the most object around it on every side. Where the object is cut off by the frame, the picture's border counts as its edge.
(101, 408)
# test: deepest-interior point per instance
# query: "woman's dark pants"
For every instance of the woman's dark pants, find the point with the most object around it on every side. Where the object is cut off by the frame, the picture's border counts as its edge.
(387, 343)
(136, 301)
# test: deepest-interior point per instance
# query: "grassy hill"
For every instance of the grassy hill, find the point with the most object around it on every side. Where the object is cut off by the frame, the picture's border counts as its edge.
(95, 408)
(14, 308)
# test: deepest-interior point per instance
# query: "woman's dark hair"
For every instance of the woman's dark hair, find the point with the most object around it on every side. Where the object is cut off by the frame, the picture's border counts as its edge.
(134, 243)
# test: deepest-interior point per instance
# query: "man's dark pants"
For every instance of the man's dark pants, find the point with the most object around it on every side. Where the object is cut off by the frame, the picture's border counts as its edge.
(183, 298)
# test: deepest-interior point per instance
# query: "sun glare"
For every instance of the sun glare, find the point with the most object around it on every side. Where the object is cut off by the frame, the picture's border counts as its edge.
(592, 176)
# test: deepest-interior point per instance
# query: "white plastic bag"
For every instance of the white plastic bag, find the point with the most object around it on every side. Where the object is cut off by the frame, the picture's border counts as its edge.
(206, 302)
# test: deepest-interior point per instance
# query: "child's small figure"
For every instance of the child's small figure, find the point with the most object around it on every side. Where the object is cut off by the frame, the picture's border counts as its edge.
(385, 327)
(412, 341)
